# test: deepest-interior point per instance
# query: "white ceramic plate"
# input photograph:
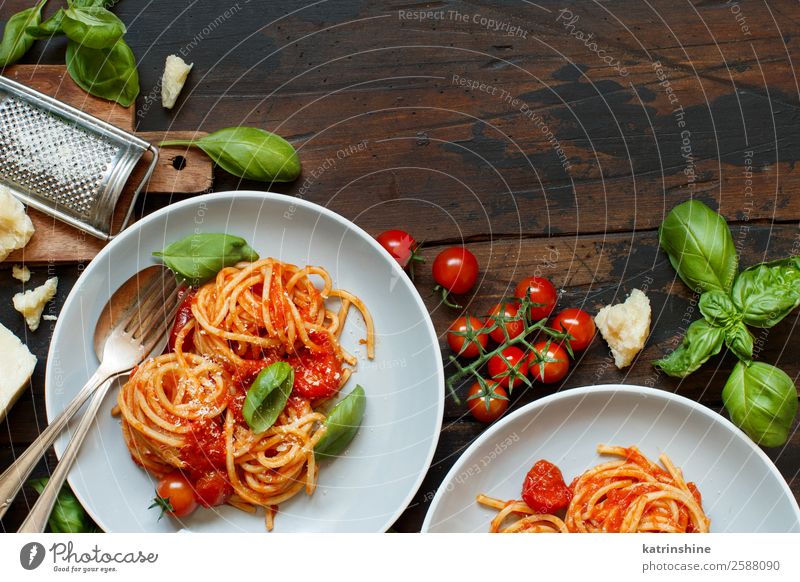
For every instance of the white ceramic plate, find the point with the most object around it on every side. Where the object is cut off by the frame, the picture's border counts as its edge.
(366, 490)
(742, 490)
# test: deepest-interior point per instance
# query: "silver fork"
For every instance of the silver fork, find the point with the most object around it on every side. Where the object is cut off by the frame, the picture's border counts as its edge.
(137, 328)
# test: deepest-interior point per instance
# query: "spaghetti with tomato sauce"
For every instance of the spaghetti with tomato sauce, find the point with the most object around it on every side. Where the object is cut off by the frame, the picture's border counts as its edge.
(182, 410)
(631, 495)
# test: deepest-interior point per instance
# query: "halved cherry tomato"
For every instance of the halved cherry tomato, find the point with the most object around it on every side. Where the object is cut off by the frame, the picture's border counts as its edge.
(505, 371)
(494, 394)
(548, 362)
(212, 489)
(578, 324)
(175, 495)
(514, 328)
(400, 245)
(538, 290)
(455, 270)
(467, 347)
(544, 489)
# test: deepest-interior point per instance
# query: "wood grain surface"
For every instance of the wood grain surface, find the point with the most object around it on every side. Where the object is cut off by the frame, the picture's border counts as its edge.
(541, 153)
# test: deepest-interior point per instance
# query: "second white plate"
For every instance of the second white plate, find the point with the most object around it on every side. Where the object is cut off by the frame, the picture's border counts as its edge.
(741, 488)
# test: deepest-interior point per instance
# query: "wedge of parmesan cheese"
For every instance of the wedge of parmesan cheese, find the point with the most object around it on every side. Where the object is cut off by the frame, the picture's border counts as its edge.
(17, 364)
(173, 79)
(625, 327)
(31, 303)
(21, 272)
(16, 228)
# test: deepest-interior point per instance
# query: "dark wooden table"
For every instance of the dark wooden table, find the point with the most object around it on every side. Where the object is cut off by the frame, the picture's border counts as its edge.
(550, 137)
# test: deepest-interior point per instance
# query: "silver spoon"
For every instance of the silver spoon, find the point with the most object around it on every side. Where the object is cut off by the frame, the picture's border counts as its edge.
(133, 324)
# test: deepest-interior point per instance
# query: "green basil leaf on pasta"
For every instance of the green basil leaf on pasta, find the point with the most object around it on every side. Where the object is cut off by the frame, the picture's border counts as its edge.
(199, 257)
(762, 401)
(342, 424)
(702, 340)
(267, 396)
(699, 245)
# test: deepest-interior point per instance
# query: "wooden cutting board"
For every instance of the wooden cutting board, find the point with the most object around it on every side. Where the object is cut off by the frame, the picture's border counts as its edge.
(179, 170)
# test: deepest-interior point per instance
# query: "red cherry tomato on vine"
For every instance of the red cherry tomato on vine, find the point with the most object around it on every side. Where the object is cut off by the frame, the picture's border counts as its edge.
(455, 270)
(504, 371)
(400, 245)
(538, 290)
(175, 495)
(462, 345)
(496, 396)
(548, 362)
(577, 323)
(514, 328)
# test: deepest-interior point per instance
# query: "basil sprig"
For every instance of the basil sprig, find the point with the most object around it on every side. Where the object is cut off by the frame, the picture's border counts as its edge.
(761, 399)
(267, 396)
(16, 39)
(200, 256)
(97, 58)
(248, 152)
(68, 515)
(342, 424)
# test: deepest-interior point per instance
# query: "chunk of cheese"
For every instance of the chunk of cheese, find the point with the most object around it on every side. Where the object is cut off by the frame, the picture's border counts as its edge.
(17, 364)
(16, 228)
(31, 303)
(173, 79)
(625, 327)
(21, 272)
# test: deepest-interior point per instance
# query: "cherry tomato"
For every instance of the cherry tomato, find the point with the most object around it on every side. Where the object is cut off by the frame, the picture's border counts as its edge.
(400, 245)
(461, 345)
(514, 328)
(496, 396)
(212, 489)
(578, 324)
(175, 495)
(500, 371)
(544, 489)
(455, 270)
(553, 358)
(540, 291)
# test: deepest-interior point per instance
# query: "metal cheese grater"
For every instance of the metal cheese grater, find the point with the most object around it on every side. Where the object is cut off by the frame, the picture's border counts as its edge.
(65, 162)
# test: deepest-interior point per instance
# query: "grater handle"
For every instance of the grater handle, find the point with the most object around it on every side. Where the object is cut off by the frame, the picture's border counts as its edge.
(154, 150)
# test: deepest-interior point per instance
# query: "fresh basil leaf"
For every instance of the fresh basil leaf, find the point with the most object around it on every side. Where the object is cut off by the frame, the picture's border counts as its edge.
(89, 3)
(762, 401)
(740, 341)
(267, 396)
(248, 152)
(702, 340)
(718, 308)
(109, 73)
(93, 26)
(768, 292)
(342, 424)
(47, 28)
(699, 245)
(68, 515)
(200, 256)
(16, 40)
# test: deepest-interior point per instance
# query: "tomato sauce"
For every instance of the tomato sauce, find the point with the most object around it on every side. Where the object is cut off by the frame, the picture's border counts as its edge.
(317, 374)
(182, 317)
(544, 489)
